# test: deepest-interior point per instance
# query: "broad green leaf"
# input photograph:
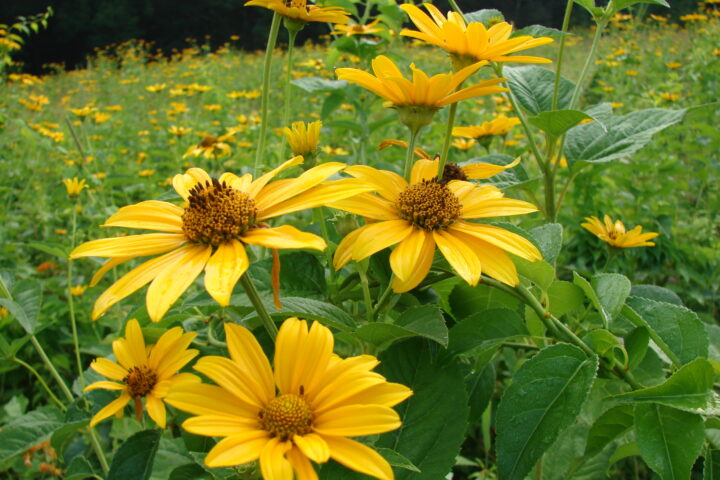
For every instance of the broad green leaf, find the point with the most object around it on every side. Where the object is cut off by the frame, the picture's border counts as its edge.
(80, 469)
(592, 296)
(171, 452)
(56, 250)
(612, 289)
(688, 388)
(539, 31)
(222, 473)
(485, 329)
(557, 122)
(636, 345)
(310, 309)
(425, 321)
(679, 328)
(485, 16)
(625, 135)
(480, 386)
(134, 459)
(30, 429)
(564, 297)
(191, 471)
(466, 300)
(301, 275)
(317, 84)
(608, 427)
(618, 5)
(331, 103)
(541, 273)
(653, 292)
(549, 239)
(543, 399)
(533, 87)
(434, 418)
(607, 346)
(19, 313)
(625, 451)
(669, 440)
(711, 464)
(397, 460)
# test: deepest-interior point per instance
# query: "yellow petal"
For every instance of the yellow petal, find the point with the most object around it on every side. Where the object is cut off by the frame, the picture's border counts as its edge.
(459, 255)
(170, 365)
(241, 383)
(109, 369)
(424, 170)
(204, 399)
(278, 192)
(356, 456)
(224, 269)
(156, 410)
(111, 408)
(113, 262)
(135, 342)
(357, 420)
(368, 205)
(343, 252)
(284, 236)
(104, 384)
(385, 393)
(478, 171)
(313, 446)
(301, 355)
(498, 207)
(388, 184)
(237, 449)
(422, 267)
(495, 262)
(501, 238)
(273, 464)
(130, 246)
(378, 236)
(184, 182)
(220, 426)
(301, 465)
(405, 257)
(257, 186)
(246, 352)
(163, 387)
(122, 353)
(149, 215)
(164, 346)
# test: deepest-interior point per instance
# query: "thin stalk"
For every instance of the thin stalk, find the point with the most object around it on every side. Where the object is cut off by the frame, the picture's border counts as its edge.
(410, 154)
(272, 38)
(565, 189)
(320, 216)
(42, 382)
(71, 304)
(561, 51)
(550, 210)
(386, 295)
(46, 360)
(367, 298)
(446, 142)
(95, 442)
(599, 27)
(455, 7)
(254, 297)
(292, 34)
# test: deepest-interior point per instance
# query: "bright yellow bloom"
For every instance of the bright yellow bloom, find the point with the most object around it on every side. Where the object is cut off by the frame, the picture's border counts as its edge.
(498, 126)
(78, 290)
(357, 29)
(142, 371)
(614, 234)
(179, 131)
(211, 146)
(209, 232)
(303, 139)
(333, 151)
(427, 212)
(101, 117)
(463, 144)
(673, 65)
(299, 10)
(156, 88)
(469, 43)
(73, 186)
(670, 97)
(303, 410)
(84, 111)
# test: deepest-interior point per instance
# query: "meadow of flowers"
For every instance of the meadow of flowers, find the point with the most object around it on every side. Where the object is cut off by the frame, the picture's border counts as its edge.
(429, 245)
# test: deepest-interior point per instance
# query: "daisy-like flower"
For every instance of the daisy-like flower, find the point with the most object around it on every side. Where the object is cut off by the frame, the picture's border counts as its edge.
(299, 10)
(615, 235)
(211, 146)
(209, 232)
(498, 126)
(472, 42)
(303, 138)
(429, 212)
(357, 29)
(142, 371)
(73, 186)
(419, 99)
(179, 131)
(302, 410)
(463, 144)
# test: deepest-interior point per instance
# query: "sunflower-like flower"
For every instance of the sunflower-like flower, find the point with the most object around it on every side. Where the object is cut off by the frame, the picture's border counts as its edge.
(209, 232)
(299, 10)
(615, 235)
(358, 29)
(302, 411)
(73, 186)
(148, 372)
(429, 212)
(211, 146)
(497, 126)
(472, 42)
(303, 138)
(419, 99)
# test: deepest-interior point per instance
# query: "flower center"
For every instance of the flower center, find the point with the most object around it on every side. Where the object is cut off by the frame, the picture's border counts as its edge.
(140, 381)
(286, 416)
(452, 171)
(296, 3)
(217, 213)
(208, 141)
(429, 205)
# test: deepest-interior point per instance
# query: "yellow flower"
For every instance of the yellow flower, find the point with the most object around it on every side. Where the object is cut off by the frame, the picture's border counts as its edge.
(209, 232)
(498, 126)
(78, 290)
(101, 117)
(303, 410)
(84, 111)
(299, 10)
(670, 97)
(179, 131)
(146, 173)
(463, 144)
(427, 212)
(673, 65)
(333, 151)
(614, 234)
(213, 108)
(156, 88)
(303, 139)
(357, 29)
(469, 43)
(142, 371)
(211, 146)
(73, 186)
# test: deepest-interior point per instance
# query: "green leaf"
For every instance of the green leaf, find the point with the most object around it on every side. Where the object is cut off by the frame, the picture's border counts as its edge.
(606, 345)
(608, 427)
(533, 87)
(679, 328)
(134, 459)
(19, 314)
(625, 135)
(434, 418)
(548, 238)
(589, 5)
(80, 469)
(539, 31)
(688, 388)
(636, 345)
(331, 103)
(618, 5)
(54, 249)
(397, 460)
(653, 292)
(557, 122)
(487, 329)
(564, 297)
(317, 84)
(30, 429)
(29, 296)
(310, 309)
(592, 296)
(711, 464)
(424, 321)
(546, 394)
(612, 289)
(540, 272)
(486, 16)
(466, 300)
(625, 451)
(191, 471)
(669, 440)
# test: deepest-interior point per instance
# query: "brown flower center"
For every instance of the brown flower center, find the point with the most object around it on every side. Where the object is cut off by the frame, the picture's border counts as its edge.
(286, 416)
(140, 381)
(296, 3)
(208, 141)
(217, 213)
(429, 205)
(452, 171)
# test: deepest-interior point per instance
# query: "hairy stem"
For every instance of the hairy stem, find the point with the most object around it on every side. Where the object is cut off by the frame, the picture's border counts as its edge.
(272, 38)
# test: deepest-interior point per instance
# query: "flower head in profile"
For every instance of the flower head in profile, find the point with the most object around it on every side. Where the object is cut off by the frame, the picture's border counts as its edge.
(211, 146)
(73, 186)
(144, 371)
(301, 409)
(615, 235)
(299, 10)
(303, 138)
(358, 29)
(468, 43)
(498, 126)
(427, 212)
(209, 232)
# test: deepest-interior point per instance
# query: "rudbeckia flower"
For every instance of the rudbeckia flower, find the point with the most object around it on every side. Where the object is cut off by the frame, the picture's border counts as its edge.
(498, 126)
(427, 212)
(301, 11)
(358, 29)
(302, 410)
(73, 186)
(303, 138)
(472, 42)
(209, 232)
(615, 235)
(142, 371)
(211, 146)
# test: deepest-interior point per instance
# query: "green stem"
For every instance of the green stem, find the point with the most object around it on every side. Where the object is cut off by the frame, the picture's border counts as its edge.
(42, 382)
(387, 294)
(550, 211)
(367, 298)
(561, 51)
(320, 216)
(446, 142)
(455, 7)
(46, 360)
(98, 450)
(254, 297)
(272, 38)
(410, 154)
(292, 34)
(599, 27)
(71, 303)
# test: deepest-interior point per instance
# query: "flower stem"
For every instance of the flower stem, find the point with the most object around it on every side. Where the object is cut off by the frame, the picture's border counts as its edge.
(446, 142)
(71, 304)
(254, 297)
(42, 382)
(292, 34)
(272, 38)
(561, 51)
(366, 292)
(320, 218)
(455, 7)
(387, 294)
(599, 27)
(41, 351)
(98, 450)
(410, 154)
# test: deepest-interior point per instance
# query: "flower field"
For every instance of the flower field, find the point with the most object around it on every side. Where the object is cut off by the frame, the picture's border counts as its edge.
(427, 245)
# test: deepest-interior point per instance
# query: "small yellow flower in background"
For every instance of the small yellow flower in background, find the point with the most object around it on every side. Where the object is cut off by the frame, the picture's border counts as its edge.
(631, 73)
(146, 173)
(253, 94)
(333, 151)
(387, 143)
(114, 108)
(500, 125)
(427, 212)
(658, 18)
(34, 102)
(156, 88)
(211, 146)
(673, 65)
(177, 108)
(463, 144)
(303, 408)
(179, 131)
(78, 290)
(563, 161)
(61, 231)
(614, 233)
(209, 233)
(694, 17)
(213, 108)
(473, 42)
(670, 97)
(4, 312)
(300, 11)
(358, 29)
(84, 111)
(101, 117)
(144, 371)
(303, 138)
(73, 186)
(614, 105)
(715, 52)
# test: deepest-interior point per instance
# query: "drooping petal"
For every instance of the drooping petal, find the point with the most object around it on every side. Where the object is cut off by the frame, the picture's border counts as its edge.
(104, 384)
(224, 269)
(111, 408)
(237, 449)
(273, 464)
(229, 375)
(278, 192)
(313, 446)
(378, 236)
(156, 410)
(478, 171)
(357, 420)
(148, 215)
(359, 457)
(111, 263)
(495, 262)
(405, 258)
(459, 255)
(423, 264)
(257, 186)
(501, 238)
(301, 465)
(130, 246)
(284, 236)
